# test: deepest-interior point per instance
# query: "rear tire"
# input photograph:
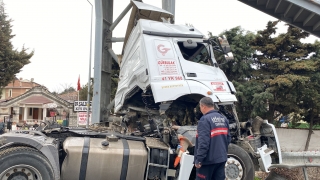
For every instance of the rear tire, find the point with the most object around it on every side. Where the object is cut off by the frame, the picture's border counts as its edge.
(239, 165)
(24, 163)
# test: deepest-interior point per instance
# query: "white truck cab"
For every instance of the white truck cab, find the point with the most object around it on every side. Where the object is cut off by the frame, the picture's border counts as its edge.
(173, 60)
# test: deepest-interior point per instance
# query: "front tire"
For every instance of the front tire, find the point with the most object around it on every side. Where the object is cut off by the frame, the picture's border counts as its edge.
(239, 165)
(24, 163)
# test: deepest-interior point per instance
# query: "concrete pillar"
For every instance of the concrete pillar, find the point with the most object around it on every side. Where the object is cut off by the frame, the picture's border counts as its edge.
(15, 117)
(102, 60)
(44, 113)
(25, 113)
(39, 114)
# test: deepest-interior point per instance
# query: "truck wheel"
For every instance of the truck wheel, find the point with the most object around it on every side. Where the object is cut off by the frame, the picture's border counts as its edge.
(239, 165)
(24, 163)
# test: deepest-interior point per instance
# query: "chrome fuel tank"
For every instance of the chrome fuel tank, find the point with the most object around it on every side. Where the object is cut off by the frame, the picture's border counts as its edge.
(96, 159)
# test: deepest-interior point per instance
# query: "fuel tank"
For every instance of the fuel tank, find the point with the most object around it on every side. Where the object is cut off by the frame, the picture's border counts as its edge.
(99, 159)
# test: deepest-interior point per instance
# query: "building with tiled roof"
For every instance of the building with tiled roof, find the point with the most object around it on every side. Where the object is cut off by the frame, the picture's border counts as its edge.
(16, 88)
(38, 104)
(70, 96)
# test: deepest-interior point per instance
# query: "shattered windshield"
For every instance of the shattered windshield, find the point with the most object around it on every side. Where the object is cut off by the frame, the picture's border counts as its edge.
(199, 54)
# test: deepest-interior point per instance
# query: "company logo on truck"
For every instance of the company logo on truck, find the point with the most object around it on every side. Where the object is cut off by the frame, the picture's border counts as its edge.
(163, 50)
(165, 62)
(218, 86)
(167, 67)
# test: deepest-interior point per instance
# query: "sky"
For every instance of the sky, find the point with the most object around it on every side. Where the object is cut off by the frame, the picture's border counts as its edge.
(58, 31)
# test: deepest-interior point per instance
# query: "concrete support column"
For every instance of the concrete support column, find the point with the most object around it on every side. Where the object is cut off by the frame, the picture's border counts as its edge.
(15, 117)
(102, 60)
(25, 113)
(39, 114)
(44, 113)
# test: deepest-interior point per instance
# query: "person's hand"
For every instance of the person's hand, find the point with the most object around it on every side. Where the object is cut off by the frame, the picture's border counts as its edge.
(198, 165)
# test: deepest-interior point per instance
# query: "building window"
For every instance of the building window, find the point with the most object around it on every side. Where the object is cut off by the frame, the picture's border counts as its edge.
(10, 92)
(30, 111)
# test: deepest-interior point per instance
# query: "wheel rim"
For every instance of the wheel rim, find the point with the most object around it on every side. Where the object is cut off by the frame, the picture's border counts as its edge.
(21, 172)
(234, 168)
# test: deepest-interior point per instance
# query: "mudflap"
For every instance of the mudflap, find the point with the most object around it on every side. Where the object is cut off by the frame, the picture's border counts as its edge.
(186, 165)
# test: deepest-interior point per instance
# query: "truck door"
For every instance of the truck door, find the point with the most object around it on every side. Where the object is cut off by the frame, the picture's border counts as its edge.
(167, 80)
(196, 63)
(199, 66)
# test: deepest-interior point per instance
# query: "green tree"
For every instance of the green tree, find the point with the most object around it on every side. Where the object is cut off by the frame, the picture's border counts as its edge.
(11, 60)
(246, 95)
(240, 68)
(83, 94)
(309, 94)
(63, 89)
(114, 79)
(68, 90)
(282, 64)
(272, 73)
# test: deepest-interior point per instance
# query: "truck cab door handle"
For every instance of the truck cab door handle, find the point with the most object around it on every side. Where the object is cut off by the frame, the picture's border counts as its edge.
(192, 74)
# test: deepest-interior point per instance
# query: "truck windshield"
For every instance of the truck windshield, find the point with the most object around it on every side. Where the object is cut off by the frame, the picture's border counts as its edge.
(198, 54)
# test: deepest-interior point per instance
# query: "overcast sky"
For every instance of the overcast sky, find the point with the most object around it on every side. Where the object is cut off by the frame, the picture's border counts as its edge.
(59, 32)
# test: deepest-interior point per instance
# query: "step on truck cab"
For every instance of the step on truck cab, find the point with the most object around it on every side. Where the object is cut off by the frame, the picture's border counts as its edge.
(165, 70)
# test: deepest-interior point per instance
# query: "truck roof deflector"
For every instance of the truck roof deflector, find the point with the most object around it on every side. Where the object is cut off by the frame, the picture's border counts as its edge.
(144, 11)
(172, 34)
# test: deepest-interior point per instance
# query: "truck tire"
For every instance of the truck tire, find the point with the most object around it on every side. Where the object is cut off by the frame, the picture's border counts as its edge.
(239, 165)
(24, 163)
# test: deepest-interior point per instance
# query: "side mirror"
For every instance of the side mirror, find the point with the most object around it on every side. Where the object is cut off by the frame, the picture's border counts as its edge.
(224, 44)
(229, 56)
(225, 47)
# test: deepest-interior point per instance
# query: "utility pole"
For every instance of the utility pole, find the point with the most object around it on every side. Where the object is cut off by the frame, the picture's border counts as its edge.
(170, 6)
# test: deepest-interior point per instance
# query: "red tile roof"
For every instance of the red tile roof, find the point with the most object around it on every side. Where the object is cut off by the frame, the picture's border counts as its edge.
(17, 83)
(36, 100)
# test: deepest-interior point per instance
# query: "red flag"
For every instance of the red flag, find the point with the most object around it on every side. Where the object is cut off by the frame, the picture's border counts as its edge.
(78, 87)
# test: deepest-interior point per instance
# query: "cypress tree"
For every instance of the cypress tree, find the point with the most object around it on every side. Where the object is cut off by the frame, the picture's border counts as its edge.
(11, 60)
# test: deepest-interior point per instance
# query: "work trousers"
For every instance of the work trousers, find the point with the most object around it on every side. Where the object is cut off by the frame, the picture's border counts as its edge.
(211, 172)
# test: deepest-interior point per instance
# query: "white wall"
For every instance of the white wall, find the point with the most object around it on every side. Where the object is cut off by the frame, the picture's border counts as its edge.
(3, 95)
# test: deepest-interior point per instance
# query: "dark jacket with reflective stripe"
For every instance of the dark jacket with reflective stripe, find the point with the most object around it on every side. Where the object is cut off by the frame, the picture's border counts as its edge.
(213, 138)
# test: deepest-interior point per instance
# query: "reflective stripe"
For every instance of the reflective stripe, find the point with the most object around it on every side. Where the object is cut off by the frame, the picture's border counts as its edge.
(219, 131)
(216, 132)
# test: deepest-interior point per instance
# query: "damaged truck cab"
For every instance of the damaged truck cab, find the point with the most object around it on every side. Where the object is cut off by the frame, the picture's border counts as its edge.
(171, 61)
(165, 70)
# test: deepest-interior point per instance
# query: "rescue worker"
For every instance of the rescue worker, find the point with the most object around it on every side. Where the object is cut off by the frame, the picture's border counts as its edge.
(212, 140)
